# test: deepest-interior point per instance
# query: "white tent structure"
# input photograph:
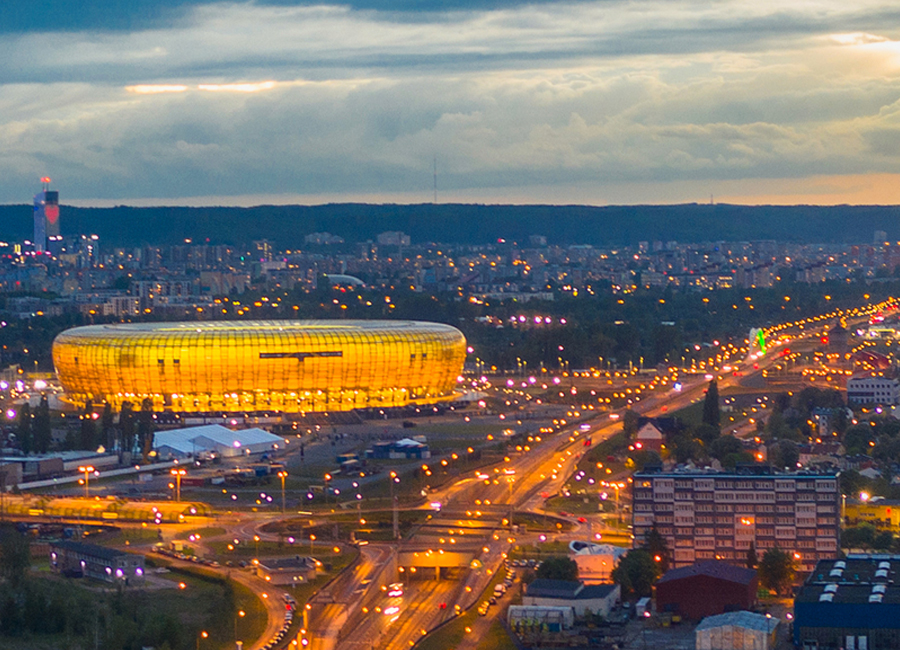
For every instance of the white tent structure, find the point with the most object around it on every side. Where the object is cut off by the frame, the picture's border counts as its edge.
(736, 631)
(214, 439)
(595, 561)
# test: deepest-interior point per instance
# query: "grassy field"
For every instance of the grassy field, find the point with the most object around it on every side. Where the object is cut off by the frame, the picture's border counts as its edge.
(536, 523)
(122, 535)
(89, 611)
(691, 415)
(378, 526)
(496, 639)
(588, 504)
(202, 532)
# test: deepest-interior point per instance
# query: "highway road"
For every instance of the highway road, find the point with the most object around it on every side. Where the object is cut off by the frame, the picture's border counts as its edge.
(471, 512)
(549, 464)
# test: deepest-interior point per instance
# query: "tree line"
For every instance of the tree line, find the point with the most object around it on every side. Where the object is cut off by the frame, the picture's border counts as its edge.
(464, 223)
(128, 431)
(78, 616)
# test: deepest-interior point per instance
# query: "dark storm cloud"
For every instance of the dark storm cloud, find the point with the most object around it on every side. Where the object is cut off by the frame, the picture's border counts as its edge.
(174, 99)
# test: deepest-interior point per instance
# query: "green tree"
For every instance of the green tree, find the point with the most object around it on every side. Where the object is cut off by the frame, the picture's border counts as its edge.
(865, 535)
(686, 448)
(107, 429)
(711, 413)
(883, 541)
(724, 446)
(776, 570)
(24, 431)
(644, 457)
(630, 423)
(752, 560)
(558, 568)
(707, 433)
(840, 422)
(15, 555)
(656, 545)
(784, 453)
(42, 430)
(87, 438)
(636, 573)
(145, 428)
(126, 427)
(851, 483)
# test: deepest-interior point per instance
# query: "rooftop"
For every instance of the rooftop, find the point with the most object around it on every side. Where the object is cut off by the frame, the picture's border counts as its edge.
(194, 439)
(282, 563)
(300, 326)
(567, 590)
(738, 472)
(544, 588)
(856, 579)
(92, 550)
(747, 620)
(712, 569)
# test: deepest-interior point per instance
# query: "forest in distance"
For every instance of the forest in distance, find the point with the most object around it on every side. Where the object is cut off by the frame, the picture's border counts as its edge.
(467, 224)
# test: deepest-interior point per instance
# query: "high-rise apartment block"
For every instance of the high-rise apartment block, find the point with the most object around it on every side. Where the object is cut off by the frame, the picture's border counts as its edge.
(46, 216)
(709, 514)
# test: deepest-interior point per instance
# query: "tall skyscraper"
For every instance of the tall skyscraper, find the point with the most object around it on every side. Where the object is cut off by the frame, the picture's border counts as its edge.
(46, 216)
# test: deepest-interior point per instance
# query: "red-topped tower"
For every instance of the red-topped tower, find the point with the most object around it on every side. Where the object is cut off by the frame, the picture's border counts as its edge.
(46, 216)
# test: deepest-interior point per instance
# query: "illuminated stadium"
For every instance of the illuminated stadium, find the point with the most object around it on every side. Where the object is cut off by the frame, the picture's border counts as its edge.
(252, 366)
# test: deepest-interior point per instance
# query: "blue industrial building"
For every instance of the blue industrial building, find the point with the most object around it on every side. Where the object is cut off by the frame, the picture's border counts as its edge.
(850, 604)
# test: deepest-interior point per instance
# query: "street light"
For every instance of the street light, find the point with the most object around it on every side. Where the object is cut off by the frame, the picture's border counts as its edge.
(510, 479)
(282, 475)
(312, 538)
(178, 473)
(203, 635)
(240, 614)
(395, 505)
(87, 469)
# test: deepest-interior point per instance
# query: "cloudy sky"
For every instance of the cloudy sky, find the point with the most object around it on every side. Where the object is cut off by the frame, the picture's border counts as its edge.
(607, 101)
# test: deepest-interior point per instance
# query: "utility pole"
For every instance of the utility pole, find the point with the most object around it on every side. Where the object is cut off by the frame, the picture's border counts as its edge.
(282, 475)
(395, 502)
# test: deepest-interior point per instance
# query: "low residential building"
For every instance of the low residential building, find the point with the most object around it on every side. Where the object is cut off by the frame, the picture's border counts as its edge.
(287, 570)
(873, 388)
(821, 453)
(649, 438)
(736, 631)
(706, 514)
(852, 604)
(706, 589)
(98, 562)
(596, 599)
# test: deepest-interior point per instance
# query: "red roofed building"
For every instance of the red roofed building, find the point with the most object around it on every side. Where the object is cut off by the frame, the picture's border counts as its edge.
(649, 437)
(706, 589)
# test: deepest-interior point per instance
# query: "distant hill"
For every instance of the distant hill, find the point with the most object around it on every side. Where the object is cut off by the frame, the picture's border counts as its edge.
(465, 223)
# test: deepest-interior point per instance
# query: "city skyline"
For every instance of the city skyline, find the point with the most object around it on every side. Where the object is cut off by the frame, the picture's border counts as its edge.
(246, 103)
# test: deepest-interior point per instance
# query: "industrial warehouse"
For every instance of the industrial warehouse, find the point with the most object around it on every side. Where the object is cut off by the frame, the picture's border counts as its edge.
(252, 366)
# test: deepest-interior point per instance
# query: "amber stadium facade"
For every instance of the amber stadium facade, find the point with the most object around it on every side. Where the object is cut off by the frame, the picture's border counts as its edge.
(253, 366)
